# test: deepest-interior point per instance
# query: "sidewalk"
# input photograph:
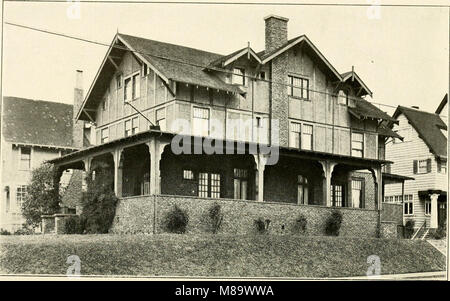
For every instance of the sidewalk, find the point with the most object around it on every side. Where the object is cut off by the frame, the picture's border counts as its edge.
(441, 275)
(440, 245)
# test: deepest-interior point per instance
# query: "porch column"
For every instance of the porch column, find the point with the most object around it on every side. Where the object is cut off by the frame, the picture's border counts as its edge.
(117, 156)
(328, 168)
(57, 177)
(261, 161)
(87, 164)
(156, 148)
(434, 210)
(379, 187)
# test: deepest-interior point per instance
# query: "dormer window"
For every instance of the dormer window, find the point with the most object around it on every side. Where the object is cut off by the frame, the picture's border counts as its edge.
(238, 76)
(343, 98)
(298, 87)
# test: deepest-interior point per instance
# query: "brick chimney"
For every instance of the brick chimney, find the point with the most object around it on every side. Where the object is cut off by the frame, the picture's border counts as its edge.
(276, 31)
(78, 126)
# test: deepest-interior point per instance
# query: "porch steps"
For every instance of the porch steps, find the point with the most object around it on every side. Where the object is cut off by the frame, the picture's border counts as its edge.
(425, 234)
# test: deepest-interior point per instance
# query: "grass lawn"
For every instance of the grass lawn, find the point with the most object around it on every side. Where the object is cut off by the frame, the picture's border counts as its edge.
(214, 255)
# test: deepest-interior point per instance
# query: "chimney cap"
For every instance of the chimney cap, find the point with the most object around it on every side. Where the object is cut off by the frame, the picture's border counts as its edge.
(415, 107)
(276, 17)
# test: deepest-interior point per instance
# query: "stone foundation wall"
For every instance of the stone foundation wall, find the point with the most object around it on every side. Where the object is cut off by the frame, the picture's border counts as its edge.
(140, 214)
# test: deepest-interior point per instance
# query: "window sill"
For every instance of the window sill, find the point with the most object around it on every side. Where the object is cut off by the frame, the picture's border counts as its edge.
(300, 98)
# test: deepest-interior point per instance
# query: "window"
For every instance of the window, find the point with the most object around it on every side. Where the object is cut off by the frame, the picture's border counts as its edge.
(25, 158)
(342, 98)
(357, 193)
(260, 130)
(188, 174)
(20, 195)
(105, 135)
(442, 167)
(307, 136)
(357, 145)
(161, 118)
(298, 87)
(262, 75)
(132, 88)
(209, 185)
(337, 195)
(144, 70)
(422, 166)
(294, 135)
(240, 184)
(127, 128)
(105, 104)
(408, 206)
(238, 76)
(134, 125)
(427, 207)
(119, 81)
(302, 190)
(200, 124)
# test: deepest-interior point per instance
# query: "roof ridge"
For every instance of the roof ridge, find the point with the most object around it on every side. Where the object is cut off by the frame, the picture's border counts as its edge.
(418, 110)
(172, 44)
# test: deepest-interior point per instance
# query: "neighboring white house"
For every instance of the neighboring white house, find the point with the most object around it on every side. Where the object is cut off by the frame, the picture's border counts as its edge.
(422, 155)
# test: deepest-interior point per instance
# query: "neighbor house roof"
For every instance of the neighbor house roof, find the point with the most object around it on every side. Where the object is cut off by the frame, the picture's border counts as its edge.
(365, 109)
(428, 126)
(37, 122)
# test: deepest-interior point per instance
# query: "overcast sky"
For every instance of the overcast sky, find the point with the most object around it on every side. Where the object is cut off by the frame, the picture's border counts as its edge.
(403, 56)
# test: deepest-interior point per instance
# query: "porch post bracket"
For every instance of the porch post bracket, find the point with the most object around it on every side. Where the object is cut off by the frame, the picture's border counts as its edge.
(117, 156)
(261, 161)
(87, 164)
(434, 210)
(327, 168)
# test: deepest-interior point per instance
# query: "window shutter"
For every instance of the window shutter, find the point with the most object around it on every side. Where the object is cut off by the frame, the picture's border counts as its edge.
(439, 166)
(428, 165)
(415, 166)
(388, 168)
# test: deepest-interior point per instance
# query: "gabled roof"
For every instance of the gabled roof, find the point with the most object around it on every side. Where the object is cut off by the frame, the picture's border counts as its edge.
(428, 126)
(348, 76)
(365, 109)
(227, 59)
(311, 50)
(37, 122)
(442, 104)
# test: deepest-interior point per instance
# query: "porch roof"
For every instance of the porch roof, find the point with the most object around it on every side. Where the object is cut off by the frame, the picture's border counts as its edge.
(390, 178)
(143, 136)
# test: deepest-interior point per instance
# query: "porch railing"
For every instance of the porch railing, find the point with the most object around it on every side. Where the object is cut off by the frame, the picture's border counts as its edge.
(418, 230)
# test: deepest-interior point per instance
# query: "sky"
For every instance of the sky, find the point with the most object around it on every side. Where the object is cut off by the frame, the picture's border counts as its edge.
(401, 53)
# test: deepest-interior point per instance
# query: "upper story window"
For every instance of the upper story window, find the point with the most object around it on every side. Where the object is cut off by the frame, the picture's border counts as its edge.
(357, 145)
(298, 87)
(294, 135)
(307, 137)
(343, 98)
(132, 87)
(25, 158)
(200, 122)
(442, 167)
(127, 128)
(161, 118)
(144, 70)
(104, 135)
(134, 125)
(301, 136)
(422, 166)
(119, 80)
(238, 76)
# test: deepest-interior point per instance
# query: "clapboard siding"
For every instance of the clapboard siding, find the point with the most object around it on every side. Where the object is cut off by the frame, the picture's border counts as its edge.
(403, 154)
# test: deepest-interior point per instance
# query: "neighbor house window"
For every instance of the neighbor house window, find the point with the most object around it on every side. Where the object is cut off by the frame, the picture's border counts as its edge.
(357, 145)
(20, 195)
(422, 166)
(25, 158)
(442, 167)
(134, 125)
(240, 183)
(200, 122)
(298, 87)
(161, 118)
(337, 195)
(302, 190)
(408, 206)
(307, 137)
(357, 193)
(105, 135)
(238, 76)
(427, 207)
(188, 174)
(209, 185)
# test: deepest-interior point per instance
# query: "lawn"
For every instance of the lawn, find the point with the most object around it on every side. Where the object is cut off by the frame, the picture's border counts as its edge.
(214, 255)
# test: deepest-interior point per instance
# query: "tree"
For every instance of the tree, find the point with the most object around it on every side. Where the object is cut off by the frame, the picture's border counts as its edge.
(42, 197)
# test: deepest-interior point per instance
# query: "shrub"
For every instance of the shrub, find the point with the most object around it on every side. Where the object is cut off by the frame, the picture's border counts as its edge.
(99, 202)
(440, 232)
(261, 225)
(4, 232)
(73, 225)
(176, 220)
(409, 229)
(300, 224)
(215, 217)
(25, 230)
(333, 223)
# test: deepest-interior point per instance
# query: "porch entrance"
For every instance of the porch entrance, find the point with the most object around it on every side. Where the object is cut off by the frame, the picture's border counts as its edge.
(442, 213)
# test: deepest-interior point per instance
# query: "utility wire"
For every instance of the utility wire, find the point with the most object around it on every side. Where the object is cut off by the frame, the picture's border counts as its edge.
(186, 63)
